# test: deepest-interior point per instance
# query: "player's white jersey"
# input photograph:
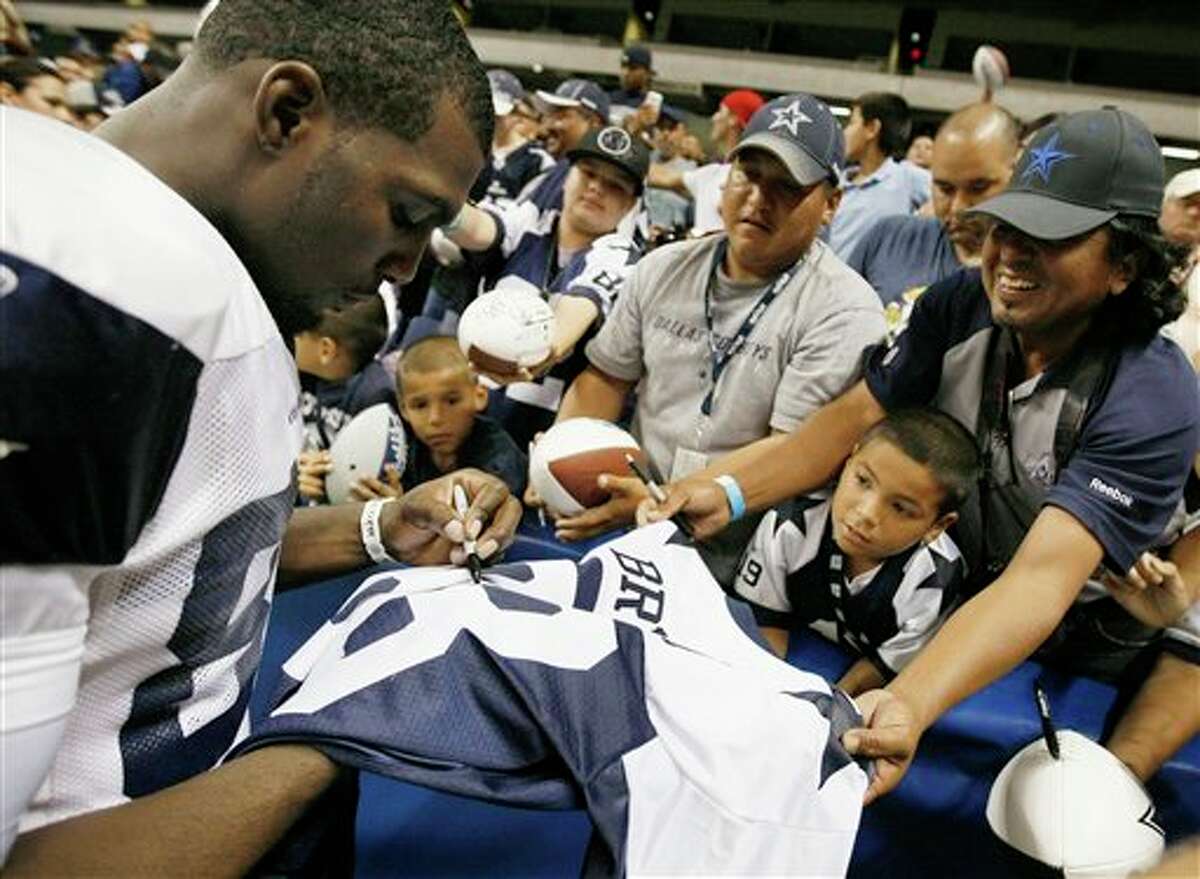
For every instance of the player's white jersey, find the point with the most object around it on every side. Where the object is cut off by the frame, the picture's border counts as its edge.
(631, 686)
(793, 573)
(154, 409)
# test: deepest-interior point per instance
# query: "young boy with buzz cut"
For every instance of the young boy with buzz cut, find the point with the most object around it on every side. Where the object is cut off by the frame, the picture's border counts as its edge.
(441, 400)
(871, 568)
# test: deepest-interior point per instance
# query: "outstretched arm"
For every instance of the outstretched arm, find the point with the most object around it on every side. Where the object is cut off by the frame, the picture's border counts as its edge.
(984, 639)
(594, 394)
(472, 229)
(216, 824)
(777, 467)
(1165, 713)
(1162, 718)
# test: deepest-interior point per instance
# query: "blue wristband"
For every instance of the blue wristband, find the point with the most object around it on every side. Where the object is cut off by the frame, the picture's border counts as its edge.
(733, 494)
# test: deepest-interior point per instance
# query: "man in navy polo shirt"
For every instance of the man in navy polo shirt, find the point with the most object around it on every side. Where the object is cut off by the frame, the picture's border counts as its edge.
(1081, 472)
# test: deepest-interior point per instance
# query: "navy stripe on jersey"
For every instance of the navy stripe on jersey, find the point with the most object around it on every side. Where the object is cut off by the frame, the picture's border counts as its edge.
(208, 632)
(94, 414)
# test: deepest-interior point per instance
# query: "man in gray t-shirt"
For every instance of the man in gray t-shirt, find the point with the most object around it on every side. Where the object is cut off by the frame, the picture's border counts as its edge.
(731, 337)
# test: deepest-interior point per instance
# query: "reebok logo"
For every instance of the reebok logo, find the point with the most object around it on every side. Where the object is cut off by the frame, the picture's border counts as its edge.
(1111, 492)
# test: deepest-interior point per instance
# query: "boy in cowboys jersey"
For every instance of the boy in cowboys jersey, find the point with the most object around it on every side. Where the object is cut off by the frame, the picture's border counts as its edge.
(871, 568)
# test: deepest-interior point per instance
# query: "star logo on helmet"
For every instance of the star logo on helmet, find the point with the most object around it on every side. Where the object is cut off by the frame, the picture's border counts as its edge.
(789, 117)
(1043, 159)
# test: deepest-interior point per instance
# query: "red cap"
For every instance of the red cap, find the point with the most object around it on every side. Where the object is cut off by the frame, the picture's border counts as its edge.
(743, 103)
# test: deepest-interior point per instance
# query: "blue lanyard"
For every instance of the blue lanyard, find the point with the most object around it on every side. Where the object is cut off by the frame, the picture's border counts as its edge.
(720, 359)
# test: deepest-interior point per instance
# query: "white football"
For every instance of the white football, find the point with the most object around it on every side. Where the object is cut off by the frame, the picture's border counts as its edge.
(373, 440)
(1084, 813)
(990, 68)
(507, 328)
(568, 458)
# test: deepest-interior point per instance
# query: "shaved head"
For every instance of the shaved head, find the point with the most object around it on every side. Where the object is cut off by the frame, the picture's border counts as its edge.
(433, 354)
(981, 123)
(973, 157)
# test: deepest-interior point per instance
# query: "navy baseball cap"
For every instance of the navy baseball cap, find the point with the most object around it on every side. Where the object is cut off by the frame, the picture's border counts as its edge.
(800, 131)
(577, 93)
(1079, 172)
(617, 147)
(636, 56)
(506, 91)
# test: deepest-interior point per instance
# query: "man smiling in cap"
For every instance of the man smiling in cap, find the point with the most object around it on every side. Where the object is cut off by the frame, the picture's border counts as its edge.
(570, 111)
(1088, 419)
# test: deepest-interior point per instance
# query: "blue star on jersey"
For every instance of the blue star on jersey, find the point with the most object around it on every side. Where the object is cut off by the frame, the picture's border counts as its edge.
(1043, 159)
(790, 118)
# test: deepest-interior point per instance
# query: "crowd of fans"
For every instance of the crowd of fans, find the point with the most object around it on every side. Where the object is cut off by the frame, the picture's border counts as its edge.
(719, 297)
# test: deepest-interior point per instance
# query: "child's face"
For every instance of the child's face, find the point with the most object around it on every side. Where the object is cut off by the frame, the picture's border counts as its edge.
(441, 407)
(885, 502)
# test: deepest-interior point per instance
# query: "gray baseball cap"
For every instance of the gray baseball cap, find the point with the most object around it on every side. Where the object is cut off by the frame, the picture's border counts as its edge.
(506, 91)
(577, 93)
(1078, 173)
(800, 131)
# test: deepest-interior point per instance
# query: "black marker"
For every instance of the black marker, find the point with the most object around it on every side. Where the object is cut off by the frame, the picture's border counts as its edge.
(474, 565)
(1049, 733)
(660, 496)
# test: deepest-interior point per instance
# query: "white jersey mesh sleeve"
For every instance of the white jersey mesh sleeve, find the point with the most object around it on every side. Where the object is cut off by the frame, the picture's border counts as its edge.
(154, 400)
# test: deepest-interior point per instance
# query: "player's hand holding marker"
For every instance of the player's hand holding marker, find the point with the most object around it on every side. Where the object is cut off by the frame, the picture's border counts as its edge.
(424, 527)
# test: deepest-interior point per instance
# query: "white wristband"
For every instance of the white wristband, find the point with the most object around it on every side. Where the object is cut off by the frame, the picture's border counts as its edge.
(368, 526)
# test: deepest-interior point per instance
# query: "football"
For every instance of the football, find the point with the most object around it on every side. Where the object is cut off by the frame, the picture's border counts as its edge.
(372, 440)
(1084, 813)
(569, 457)
(990, 67)
(506, 329)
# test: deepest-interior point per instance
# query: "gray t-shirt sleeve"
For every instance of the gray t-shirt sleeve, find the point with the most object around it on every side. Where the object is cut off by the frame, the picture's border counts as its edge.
(617, 348)
(827, 357)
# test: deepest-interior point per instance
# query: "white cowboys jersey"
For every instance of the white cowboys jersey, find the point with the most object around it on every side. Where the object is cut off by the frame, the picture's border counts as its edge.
(792, 573)
(156, 407)
(631, 686)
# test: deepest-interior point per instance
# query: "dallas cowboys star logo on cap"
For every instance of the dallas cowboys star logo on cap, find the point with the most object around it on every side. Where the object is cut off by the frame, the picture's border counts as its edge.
(789, 117)
(1043, 159)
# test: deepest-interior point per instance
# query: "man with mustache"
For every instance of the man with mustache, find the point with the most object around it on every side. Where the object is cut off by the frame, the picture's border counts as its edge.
(733, 337)
(973, 157)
